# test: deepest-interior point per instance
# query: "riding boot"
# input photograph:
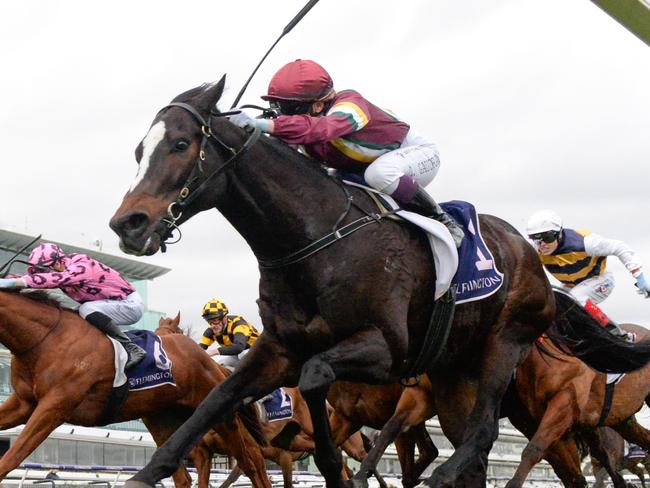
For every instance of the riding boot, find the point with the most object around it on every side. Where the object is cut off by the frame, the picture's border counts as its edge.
(425, 205)
(605, 322)
(105, 324)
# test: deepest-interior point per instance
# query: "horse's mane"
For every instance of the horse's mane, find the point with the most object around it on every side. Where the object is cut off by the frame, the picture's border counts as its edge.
(44, 297)
(190, 94)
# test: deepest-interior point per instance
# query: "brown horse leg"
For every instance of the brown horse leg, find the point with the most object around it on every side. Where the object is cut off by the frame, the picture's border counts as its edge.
(47, 416)
(414, 407)
(14, 411)
(246, 450)
(202, 459)
(558, 418)
(633, 432)
(405, 445)
(161, 427)
(234, 475)
(599, 451)
(284, 459)
(632, 465)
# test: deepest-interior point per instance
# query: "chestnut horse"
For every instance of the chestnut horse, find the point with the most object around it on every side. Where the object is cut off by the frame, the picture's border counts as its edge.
(62, 370)
(565, 395)
(335, 304)
(357, 405)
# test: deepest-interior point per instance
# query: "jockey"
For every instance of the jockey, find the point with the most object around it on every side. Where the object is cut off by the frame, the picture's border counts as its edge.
(577, 258)
(345, 131)
(232, 332)
(107, 300)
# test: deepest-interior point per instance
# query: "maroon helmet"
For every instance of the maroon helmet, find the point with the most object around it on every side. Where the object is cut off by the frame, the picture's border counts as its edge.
(301, 80)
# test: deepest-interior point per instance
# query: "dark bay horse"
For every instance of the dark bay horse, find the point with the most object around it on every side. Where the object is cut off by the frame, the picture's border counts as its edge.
(62, 370)
(566, 396)
(356, 310)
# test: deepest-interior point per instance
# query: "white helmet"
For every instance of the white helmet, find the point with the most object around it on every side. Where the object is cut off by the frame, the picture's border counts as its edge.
(544, 221)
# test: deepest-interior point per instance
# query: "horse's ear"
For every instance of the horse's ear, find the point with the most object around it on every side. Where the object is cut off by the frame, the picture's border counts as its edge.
(212, 95)
(177, 319)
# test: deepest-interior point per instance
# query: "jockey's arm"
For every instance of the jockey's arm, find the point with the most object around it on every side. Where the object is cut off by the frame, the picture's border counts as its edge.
(596, 245)
(238, 345)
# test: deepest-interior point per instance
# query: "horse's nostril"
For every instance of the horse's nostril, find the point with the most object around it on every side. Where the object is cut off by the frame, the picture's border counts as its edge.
(133, 223)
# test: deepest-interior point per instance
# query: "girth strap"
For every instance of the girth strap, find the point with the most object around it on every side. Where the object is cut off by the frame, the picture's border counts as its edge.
(607, 403)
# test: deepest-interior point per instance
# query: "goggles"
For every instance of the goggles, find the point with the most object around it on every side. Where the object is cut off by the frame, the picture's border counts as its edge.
(546, 237)
(291, 107)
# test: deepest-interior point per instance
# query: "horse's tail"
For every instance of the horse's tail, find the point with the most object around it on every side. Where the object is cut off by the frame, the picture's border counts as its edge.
(248, 415)
(576, 333)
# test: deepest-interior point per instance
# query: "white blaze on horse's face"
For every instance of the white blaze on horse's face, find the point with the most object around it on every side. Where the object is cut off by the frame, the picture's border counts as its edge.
(149, 144)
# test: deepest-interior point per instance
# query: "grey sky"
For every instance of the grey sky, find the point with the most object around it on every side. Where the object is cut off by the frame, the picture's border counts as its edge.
(533, 104)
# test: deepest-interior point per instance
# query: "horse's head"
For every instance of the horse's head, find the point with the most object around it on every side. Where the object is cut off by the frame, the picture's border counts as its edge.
(167, 325)
(188, 141)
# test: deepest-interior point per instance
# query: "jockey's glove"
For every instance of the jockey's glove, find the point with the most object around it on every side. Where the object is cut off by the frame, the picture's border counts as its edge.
(7, 283)
(245, 121)
(643, 285)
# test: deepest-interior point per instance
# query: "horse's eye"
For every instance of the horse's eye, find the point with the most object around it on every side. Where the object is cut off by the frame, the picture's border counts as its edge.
(181, 145)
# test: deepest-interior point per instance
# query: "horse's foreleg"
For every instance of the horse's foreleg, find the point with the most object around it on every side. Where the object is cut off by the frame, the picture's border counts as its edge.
(362, 357)
(636, 469)
(559, 417)
(633, 432)
(47, 416)
(14, 411)
(266, 367)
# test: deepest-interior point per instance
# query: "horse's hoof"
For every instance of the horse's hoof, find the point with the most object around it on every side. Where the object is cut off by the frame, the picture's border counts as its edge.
(136, 484)
(356, 483)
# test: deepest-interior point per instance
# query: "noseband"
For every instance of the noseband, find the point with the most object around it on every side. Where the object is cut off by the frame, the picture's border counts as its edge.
(195, 185)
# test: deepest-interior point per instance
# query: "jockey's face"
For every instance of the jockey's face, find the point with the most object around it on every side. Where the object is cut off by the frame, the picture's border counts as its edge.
(217, 325)
(547, 248)
(58, 266)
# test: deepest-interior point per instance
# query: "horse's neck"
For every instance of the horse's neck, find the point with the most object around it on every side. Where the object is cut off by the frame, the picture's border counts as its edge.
(279, 201)
(22, 322)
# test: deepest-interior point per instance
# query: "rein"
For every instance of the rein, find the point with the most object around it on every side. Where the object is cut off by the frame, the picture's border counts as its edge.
(194, 187)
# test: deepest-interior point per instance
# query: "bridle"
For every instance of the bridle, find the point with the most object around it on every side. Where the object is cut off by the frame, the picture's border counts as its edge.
(195, 185)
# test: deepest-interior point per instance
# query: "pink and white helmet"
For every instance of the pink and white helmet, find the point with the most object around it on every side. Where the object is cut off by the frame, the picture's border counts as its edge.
(45, 255)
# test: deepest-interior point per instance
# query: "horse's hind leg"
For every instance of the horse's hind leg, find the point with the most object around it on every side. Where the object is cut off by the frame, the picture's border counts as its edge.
(47, 416)
(633, 432)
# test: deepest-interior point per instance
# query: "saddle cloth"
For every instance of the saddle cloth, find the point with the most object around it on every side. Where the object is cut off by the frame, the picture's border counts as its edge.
(276, 406)
(471, 269)
(154, 370)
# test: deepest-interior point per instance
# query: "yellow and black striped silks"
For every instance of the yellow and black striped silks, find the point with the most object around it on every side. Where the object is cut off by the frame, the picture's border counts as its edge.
(236, 325)
(570, 263)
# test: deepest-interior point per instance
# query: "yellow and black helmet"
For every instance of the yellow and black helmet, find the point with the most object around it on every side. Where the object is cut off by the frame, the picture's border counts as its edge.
(214, 309)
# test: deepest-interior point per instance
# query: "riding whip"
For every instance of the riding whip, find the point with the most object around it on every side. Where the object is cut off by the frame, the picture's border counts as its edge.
(17, 253)
(286, 30)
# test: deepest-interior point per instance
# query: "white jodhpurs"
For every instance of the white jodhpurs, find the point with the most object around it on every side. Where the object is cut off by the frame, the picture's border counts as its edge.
(121, 312)
(230, 361)
(595, 289)
(417, 158)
